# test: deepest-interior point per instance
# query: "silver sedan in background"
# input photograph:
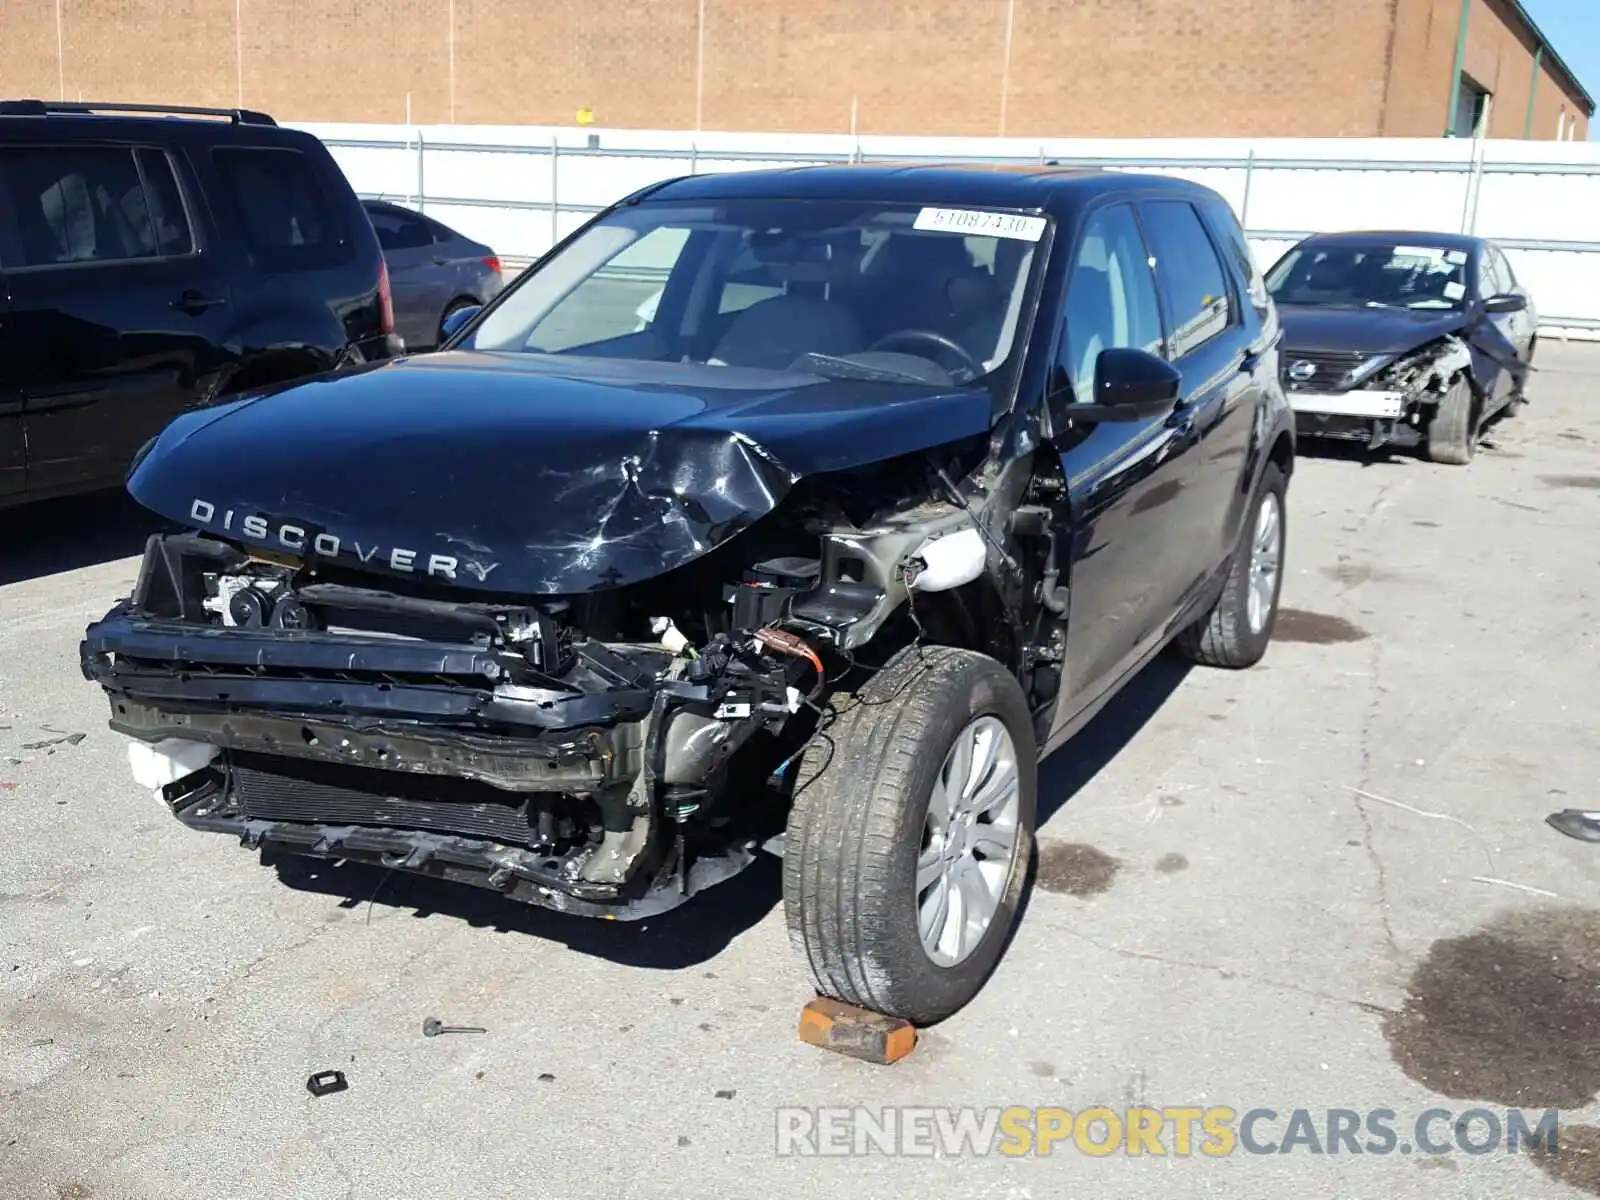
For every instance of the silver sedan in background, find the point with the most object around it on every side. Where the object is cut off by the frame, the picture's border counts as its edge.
(433, 271)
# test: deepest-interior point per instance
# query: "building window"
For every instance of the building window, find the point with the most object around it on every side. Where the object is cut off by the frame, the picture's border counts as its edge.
(1472, 109)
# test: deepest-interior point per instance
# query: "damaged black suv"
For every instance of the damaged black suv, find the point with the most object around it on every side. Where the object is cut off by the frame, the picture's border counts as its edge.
(792, 512)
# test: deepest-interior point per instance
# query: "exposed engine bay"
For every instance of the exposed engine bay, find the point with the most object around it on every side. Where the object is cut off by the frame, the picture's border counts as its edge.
(610, 752)
(1391, 405)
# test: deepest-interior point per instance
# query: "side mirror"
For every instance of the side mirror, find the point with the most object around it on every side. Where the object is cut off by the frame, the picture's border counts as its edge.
(1505, 302)
(454, 323)
(1130, 385)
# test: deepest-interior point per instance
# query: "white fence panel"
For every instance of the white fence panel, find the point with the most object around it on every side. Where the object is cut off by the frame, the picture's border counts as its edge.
(522, 188)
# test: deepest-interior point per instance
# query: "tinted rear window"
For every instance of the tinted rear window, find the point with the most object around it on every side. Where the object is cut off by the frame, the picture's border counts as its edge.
(89, 204)
(288, 219)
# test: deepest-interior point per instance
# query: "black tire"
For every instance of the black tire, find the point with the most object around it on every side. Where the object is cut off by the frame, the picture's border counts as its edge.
(857, 825)
(1453, 428)
(1223, 637)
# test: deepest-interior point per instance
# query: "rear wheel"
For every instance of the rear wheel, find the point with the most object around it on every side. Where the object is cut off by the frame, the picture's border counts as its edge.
(1236, 631)
(911, 833)
(1453, 428)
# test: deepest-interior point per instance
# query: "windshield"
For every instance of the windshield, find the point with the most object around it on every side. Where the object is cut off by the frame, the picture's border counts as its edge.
(1371, 276)
(837, 289)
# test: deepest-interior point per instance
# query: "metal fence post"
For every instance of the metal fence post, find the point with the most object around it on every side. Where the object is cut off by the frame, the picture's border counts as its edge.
(555, 206)
(1249, 177)
(422, 194)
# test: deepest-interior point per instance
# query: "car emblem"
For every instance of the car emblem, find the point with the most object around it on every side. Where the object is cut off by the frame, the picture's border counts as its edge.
(1302, 371)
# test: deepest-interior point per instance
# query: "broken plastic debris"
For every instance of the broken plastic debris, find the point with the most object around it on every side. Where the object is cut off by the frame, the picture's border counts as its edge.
(71, 739)
(325, 1083)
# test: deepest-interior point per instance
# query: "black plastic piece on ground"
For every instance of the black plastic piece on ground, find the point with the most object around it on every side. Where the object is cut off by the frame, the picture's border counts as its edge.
(1575, 824)
(325, 1083)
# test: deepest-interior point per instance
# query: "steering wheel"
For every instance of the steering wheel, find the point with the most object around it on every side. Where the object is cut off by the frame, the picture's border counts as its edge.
(901, 336)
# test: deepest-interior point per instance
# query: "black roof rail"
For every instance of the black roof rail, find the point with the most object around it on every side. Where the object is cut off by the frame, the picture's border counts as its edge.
(40, 108)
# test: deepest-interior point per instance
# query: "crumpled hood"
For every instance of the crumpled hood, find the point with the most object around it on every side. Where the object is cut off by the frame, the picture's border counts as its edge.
(1375, 332)
(524, 473)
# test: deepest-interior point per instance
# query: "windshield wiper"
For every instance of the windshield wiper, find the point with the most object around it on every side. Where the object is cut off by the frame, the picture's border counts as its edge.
(844, 368)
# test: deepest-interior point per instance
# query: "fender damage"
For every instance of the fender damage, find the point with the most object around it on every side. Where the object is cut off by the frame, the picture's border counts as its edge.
(555, 650)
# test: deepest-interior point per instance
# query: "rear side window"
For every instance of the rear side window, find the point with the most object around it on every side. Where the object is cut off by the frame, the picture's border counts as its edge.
(1237, 247)
(289, 221)
(90, 204)
(1192, 279)
(396, 231)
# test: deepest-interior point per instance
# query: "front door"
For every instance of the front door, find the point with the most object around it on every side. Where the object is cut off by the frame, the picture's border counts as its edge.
(1126, 481)
(120, 316)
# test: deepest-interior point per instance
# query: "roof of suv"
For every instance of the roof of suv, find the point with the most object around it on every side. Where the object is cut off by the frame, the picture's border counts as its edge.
(153, 121)
(1006, 185)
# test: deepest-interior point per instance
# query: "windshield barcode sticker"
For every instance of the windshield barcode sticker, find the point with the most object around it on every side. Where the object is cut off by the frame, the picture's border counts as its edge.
(975, 221)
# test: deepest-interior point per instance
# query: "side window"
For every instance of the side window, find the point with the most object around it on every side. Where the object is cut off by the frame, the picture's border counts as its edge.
(1191, 275)
(165, 201)
(90, 204)
(1508, 277)
(618, 299)
(1111, 298)
(1489, 281)
(1237, 247)
(289, 222)
(396, 231)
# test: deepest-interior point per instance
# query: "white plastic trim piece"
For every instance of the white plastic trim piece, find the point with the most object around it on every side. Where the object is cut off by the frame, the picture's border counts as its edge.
(167, 761)
(1349, 404)
(950, 561)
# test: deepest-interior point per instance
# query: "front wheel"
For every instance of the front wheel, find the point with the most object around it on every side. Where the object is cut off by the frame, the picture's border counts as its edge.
(1236, 631)
(910, 836)
(1453, 429)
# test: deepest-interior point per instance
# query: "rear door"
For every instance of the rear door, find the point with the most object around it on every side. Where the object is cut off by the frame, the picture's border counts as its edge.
(1126, 481)
(1210, 345)
(420, 276)
(120, 315)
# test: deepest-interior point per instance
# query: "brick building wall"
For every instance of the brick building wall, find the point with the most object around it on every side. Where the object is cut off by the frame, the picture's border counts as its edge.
(1053, 68)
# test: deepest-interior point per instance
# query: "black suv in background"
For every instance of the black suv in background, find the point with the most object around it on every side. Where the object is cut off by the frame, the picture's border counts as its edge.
(154, 260)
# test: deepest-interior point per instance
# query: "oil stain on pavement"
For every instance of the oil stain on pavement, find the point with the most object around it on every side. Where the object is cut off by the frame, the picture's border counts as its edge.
(1074, 869)
(1171, 864)
(1507, 1014)
(1576, 1161)
(1316, 629)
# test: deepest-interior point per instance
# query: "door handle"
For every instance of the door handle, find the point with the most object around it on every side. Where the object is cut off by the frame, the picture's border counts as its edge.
(193, 303)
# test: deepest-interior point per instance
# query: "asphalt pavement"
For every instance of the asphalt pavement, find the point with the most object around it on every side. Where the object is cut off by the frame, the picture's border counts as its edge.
(1321, 884)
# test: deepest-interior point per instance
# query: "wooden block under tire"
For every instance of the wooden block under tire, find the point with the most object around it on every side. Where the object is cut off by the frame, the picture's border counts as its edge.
(857, 1032)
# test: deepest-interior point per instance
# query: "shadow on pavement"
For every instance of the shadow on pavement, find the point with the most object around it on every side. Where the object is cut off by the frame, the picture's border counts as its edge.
(686, 936)
(1066, 772)
(699, 930)
(51, 536)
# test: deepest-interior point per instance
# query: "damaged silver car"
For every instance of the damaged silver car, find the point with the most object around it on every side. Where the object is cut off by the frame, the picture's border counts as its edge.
(903, 473)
